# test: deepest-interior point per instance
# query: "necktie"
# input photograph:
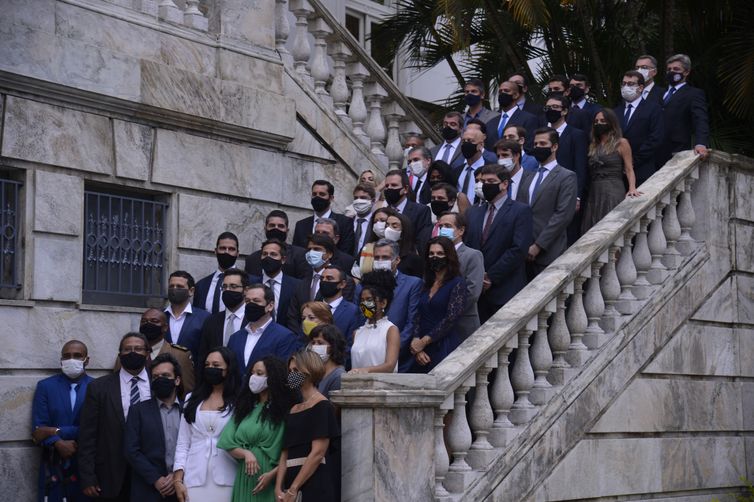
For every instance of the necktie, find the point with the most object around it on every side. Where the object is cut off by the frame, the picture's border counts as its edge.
(229, 330)
(315, 287)
(446, 153)
(135, 396)
(466, 180)
(501, 127)
(359, 234)
(669, 95)
(74, 386)
(216, 297)
(488, 223)
(271, 285)
(627, 115)
(417, 189)
(541, 172)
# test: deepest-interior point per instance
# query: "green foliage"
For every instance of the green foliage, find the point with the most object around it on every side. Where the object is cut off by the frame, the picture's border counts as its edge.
(748, 496)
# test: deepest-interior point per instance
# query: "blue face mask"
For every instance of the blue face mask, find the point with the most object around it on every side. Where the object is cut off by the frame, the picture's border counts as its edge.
(314, 258)
(446, 232)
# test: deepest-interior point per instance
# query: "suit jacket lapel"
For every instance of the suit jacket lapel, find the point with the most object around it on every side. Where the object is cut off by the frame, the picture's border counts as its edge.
(113, 394)
(548, 179)
(497, 219)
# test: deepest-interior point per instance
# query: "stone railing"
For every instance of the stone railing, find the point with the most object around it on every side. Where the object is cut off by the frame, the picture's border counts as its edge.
(186, 14)
(548, 332)
(343, 76)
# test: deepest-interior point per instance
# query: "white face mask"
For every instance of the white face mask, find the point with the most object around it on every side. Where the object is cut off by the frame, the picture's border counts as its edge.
(257, 383)
(379, 228)
(506, 163)
(478, 190)
(645, 73)
(362, 206)
(72, 368)
(392, 235)
(382, 265)
(417, 168)
(321, 351)
(629, 93)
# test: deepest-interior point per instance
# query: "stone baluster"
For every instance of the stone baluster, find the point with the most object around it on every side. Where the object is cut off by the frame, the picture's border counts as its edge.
(357, 111)
(541, 358)
(481, 418)
(302, 49)
(167, 10)
(560, 341)
(376, 126)
(577, 322)
(320, 67)
(339, 52)
(522, 377)
(192, 16)
(657, 245)
(442, 462)
(459, 441)
(626, 270)
(393, 113)
(671, 227)
(686, 217)
(610, 288)
(502, 398)
(642, 260)
(282, 30)
(594, 305)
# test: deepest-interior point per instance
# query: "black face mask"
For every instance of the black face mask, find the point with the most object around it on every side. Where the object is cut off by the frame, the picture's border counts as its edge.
(151, 331)
(468, 150)
(504, 100)
(271, 266)
(276, 233)
(232, 299)
(601, 129)
(439, 207)
(319, 204)
(541, 153)
(254, 312)
(472, 99)
(553, 116)
(225, 260)
(162, 387)
(392, 195)
(673, 78)
(449, 134)
(575, 93)
(213, 376)
(436, 263)
(133, 361)
(328, 289)
(490, 191)
(176, 296)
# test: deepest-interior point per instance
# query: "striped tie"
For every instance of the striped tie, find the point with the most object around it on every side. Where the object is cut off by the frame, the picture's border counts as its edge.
(135, 396)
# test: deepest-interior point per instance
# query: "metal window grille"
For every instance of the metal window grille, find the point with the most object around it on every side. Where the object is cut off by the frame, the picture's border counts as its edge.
(9, 226)
(124, 250)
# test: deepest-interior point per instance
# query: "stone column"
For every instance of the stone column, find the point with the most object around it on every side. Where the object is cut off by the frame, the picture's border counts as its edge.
(393, 113)
(376, 127)
(577, 322)
(193, 18)
(626, 270)
(522, 377)
(357, 111)
(282, 30)
(302, 49)
(167, 10)
(339, 88)
(320, 67)
(560, 341)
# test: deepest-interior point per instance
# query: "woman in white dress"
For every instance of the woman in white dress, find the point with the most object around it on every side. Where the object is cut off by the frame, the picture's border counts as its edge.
(201, 470)
(376, 344)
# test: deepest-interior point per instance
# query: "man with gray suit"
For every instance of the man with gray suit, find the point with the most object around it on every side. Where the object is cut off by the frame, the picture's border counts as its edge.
(551, 194)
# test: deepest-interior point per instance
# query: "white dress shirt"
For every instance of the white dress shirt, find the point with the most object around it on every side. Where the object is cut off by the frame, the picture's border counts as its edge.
(462, 177)
(452, 146)
(211, 292)
(145, 392)
(633, 104)
(176, 323)
(677, 88)
(335, 304)
(647, 89)
(156, 348)
(277, 284)
(580, 104)
(548, 167)
(237, 321)
(516, 182)
(252, 338)
(559, 129)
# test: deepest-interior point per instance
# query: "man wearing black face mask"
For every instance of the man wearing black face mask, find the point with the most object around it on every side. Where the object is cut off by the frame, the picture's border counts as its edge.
(577, 92)
(510, 114)
(502, 230)
(444, 198)
(184, 321)
(471, 148)
(276, 227)
(274, 277)
(449, 151)
(102, 465)
(207, 294)
(323, 193)
(347, 316)
(152, 433)
(474, 95)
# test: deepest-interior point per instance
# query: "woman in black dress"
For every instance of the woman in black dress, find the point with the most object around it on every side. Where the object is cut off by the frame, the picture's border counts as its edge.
(309, 429)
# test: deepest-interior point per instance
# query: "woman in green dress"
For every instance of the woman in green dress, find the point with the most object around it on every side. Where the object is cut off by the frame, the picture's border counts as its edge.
(255, 434)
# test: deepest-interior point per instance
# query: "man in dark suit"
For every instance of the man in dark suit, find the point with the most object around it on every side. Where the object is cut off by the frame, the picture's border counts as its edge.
(450, 150)
(551, 194)
(320, 250)
(346, 315)
(578, 92)
(647, 66)
(502, 231)
(276, 227)
(488, 156)
(261, 336)
(364, 197)
(444, 197)
(102, 464)
(641, 123)
(524, 103)
(509, 154)
(573, 143)
(273, 276)
(55, 413)
(419, 160)
(207, 295)
(510, 114)
(396, 195)
(152, 433)
(559, 84)
(519, 134)
(472, 148)
(323, 193)
(474, 94)
(684, 112)
(184, 322)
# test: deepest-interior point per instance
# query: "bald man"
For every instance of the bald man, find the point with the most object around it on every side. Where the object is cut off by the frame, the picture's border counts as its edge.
(472, 149)
(509, 93)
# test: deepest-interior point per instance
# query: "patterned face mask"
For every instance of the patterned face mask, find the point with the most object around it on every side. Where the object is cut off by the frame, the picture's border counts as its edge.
(296, 380)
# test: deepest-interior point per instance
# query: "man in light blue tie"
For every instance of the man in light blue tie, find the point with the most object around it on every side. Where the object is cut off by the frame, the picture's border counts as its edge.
(508, 95)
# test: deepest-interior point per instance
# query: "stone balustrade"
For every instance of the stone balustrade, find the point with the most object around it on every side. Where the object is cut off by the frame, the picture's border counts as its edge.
(186, 14)
(548, 333)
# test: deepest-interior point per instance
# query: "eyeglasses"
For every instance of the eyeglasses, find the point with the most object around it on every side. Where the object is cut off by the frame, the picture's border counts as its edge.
(630, 84)
(645, 67)
(232, 287)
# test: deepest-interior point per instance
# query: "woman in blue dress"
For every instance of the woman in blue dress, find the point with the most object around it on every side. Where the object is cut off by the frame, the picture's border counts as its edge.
(442, 301)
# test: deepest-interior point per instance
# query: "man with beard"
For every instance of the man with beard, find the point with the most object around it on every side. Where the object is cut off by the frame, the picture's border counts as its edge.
(276, 227)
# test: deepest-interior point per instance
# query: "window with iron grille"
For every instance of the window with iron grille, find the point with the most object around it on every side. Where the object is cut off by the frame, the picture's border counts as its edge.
(124, 249)
(10, 240)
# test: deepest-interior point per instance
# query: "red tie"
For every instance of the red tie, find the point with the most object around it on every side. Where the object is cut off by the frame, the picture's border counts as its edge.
(488, 223)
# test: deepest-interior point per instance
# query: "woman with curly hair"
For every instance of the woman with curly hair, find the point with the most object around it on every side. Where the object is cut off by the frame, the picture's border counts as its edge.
(255, 435)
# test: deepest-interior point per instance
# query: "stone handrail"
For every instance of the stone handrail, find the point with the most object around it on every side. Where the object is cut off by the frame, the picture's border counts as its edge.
(557, 323)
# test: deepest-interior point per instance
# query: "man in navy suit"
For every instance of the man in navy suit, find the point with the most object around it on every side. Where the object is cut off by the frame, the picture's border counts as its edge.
(276, 227)
(261, 336)
(418, 160)
(510, 114)
(559, 84)
(152, 433)
(323, 193)
(509, 156)
(346, 315)
(525, 104)
(396, 195)
(578, 92)
(185, 323)
(55, 413)
(450, 150)
(502, 231)
(273, 276)
(207, 295)
(641, 123)
(519, 134)
(684, 111)
(329, 227)
(472, 146)
(488, 156)
(647, 66)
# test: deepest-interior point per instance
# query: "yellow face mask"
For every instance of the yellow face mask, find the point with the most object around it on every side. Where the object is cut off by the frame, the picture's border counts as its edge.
(308, 326)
